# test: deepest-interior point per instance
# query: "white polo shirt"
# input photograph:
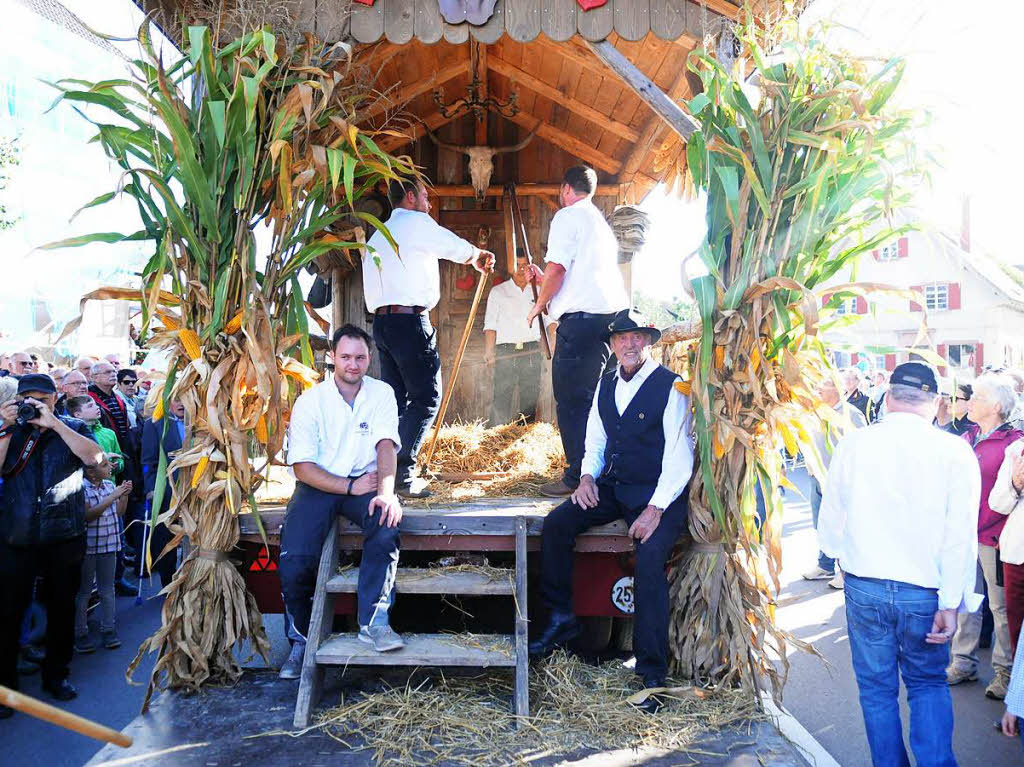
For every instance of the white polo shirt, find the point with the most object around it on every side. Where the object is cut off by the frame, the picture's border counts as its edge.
(582, 241)
(412, 279)
(507, 307)
(339, 437)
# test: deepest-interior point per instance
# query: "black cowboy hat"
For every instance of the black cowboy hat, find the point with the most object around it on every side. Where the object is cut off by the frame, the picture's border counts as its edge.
(632, 320)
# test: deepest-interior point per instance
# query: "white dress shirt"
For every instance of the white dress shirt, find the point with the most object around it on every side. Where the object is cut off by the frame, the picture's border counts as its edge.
(676, 462)
(901, 503)
(507, 307)
(339, 437)
(410, 277)
(582, 241)
(1004, 499)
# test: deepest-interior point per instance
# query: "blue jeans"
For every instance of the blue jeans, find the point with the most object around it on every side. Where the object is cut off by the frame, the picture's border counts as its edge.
(887, 623)
(826, 563)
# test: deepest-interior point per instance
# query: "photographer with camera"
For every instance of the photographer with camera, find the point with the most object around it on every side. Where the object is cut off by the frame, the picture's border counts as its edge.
(42, 525)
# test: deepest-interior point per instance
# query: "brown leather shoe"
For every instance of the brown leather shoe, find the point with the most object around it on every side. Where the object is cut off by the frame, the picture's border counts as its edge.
(556, 489)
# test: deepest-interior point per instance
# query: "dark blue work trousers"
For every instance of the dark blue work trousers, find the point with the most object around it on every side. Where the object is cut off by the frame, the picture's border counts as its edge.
(578, 361)
(650, 581)
(409, 363)
(311, 513)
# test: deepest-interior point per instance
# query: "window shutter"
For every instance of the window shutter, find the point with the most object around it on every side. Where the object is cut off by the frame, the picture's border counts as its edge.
(875, 254)
(903, 247)
(862, 305)
(890, 361)
(914, 306)
(853, 359)
(979, 358)
(943, 351)
(825, 299)
(954, 295)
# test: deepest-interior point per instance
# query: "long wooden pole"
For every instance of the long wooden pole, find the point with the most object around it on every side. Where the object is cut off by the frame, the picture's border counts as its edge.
(518, 213)
(455, 367)
(58, 716)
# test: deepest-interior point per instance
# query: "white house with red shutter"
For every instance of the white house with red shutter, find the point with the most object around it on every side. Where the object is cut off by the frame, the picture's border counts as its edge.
(972, 316)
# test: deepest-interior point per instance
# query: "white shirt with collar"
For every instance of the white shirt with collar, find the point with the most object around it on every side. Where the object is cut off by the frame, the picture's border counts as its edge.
(676, 462)
(507, 307)
(412, 279)
(582, 241)
(339, 437)
(1005, 499)
(900, 502)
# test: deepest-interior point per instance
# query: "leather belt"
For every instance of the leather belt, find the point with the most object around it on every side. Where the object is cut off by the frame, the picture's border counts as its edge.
(518, 347)
(587, 316)
(400, 309)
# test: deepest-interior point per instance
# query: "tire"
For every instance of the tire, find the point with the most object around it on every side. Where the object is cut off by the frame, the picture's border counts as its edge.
(596, 634)
(624, 634)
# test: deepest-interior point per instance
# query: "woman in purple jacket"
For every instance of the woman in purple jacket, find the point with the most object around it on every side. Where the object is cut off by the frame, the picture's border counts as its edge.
(990, 407)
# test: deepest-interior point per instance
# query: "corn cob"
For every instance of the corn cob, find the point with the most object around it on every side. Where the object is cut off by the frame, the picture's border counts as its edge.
(197, 473)
(234, 325)
(169, 320)
(190, 342)
(158, 409)
(261, 429)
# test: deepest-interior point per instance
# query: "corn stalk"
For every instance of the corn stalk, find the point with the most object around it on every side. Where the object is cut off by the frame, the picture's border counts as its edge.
(211, 146)
(802, 157)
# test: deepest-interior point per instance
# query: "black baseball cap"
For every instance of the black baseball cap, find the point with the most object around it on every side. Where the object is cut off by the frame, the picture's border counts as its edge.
(37, 383)
(916, 375)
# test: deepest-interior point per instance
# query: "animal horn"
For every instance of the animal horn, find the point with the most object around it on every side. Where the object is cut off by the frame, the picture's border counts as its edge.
(521, 144)
(443, 144)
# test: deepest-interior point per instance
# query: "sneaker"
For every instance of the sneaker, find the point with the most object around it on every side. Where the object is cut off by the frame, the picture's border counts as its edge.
(84, 645)
(838, 582)
(556, 489)
(413, 491)
(998, 686)
(959, 674)
(110, 640)
(818, 574)
(382, 638)
(292, 668)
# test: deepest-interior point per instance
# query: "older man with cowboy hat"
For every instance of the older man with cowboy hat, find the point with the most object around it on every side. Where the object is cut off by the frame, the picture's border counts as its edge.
(637, 462)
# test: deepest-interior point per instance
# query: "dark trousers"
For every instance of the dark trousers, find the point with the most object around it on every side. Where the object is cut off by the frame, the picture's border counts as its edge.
(650, 582)
(576, 366)
(511, 369)
(409, 362)
(1013, 593)
(311, 513)
(60, 567)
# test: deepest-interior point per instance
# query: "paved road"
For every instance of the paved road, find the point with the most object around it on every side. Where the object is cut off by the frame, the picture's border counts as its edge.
(824, 698)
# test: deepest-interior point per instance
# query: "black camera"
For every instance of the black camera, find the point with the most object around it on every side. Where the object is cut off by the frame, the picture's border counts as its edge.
(27, 412)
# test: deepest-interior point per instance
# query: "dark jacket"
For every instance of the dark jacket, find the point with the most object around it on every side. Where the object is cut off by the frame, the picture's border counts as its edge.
(43, 501)
(864, 404)
(636, 439)
(151, 433)
(958, 426)
(990, 452)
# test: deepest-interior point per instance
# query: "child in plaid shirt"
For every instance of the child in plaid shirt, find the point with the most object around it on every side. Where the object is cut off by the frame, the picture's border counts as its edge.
(104, 507)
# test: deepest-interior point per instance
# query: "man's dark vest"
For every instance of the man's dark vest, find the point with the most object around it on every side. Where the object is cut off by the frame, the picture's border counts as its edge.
(636, 439)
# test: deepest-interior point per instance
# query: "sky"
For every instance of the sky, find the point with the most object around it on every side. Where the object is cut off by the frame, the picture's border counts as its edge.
(961, 67)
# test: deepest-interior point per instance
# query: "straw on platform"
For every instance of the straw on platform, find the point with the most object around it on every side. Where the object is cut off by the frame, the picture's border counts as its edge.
(576, 707)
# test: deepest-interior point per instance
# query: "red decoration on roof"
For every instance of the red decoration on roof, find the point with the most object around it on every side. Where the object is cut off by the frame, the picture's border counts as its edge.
(365, 2)
(588, 5)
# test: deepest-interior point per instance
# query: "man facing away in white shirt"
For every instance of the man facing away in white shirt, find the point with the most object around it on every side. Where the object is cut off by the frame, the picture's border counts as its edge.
(583, 291)
(400, 289)
(342, 445)
(511, 346)
(638, 461)
(900, 512)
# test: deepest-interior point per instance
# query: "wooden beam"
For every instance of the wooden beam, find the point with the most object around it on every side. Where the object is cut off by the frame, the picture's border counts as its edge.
(479, 67)
(721, 7)
(416, 130)
(409, 92)
(569, 143)
(375, 54)
(544, 191)
(525, 79)
(573, 51)
(663, 106)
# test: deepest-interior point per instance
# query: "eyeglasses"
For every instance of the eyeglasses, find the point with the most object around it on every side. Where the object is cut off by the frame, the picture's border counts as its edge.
(129, 382)
(29, 364)
(962, 399)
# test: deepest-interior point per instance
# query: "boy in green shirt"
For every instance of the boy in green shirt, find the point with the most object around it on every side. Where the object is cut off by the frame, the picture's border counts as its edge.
(85, 409)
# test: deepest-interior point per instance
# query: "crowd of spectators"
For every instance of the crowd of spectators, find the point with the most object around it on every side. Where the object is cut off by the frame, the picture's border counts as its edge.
(79, 454)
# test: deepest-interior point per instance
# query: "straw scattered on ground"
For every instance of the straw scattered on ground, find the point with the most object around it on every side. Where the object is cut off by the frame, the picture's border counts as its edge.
(575, 707)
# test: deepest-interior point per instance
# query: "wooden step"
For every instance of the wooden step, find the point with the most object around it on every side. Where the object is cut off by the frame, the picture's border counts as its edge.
(480, 650)
(430, 580)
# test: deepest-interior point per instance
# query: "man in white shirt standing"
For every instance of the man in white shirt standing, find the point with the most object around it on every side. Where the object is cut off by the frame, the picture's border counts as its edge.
(899, 512)
(638, 461)
(583, 291)
(400, 289)
(511, 346)
(342, 446)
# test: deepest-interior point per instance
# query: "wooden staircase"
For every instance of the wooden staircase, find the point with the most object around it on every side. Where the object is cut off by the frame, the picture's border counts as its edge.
(483, 651)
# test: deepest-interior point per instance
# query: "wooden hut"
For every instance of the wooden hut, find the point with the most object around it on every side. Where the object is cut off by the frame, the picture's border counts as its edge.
(598, 86)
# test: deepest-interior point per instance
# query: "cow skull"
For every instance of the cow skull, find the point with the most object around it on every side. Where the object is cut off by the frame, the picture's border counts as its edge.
(481, 159)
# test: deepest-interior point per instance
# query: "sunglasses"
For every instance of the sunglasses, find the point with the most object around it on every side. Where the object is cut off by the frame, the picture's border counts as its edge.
(962, 399)
(29, 364)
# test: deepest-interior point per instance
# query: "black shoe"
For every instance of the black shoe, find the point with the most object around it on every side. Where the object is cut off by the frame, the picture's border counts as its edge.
(561, 630)
(33, 654)
(6, 712)
(125, 589)
(62, 690)
(27, 668)
(653, 703)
